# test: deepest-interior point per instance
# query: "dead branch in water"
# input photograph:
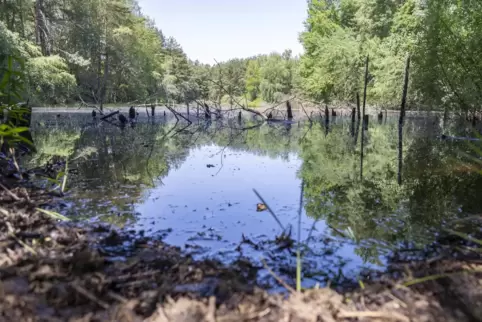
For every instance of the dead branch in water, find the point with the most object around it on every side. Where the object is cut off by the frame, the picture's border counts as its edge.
(303, 108)
(238, 103)
(84, 104)
(178, 114)
(105, 117)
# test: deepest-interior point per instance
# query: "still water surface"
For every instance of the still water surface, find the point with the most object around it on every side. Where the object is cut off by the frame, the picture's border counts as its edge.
(193, 186)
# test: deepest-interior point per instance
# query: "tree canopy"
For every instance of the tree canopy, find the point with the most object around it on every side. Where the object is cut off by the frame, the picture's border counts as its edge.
(107, 51)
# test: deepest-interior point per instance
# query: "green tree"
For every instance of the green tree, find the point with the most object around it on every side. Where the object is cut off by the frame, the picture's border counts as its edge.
(253, 79)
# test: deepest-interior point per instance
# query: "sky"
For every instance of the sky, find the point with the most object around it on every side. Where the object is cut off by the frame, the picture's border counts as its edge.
(210, 30)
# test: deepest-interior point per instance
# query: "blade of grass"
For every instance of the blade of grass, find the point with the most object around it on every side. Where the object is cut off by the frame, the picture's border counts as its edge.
(53, 214)
(298, 250)
(64, 181)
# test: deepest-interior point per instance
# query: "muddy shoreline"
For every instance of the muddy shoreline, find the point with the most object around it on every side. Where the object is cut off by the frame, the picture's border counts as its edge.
(56, 271)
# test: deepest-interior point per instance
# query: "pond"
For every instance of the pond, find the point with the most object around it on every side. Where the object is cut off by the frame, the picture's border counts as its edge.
(192, 186)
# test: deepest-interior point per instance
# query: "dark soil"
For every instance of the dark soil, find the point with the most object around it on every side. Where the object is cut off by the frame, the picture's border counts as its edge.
(52, 271)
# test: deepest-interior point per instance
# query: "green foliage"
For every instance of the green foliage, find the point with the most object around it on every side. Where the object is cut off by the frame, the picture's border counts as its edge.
(12, 80)
(253, 79)
(107, 51)
(276, 77)
(442, 37)
(50, 76)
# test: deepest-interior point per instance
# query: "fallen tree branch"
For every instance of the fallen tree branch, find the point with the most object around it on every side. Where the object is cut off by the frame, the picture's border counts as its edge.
(177, 113)
(84, 104)
(239, 104)
(103, 118)
(302, 107)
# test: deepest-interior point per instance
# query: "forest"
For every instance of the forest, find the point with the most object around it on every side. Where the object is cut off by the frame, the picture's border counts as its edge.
(108, 51)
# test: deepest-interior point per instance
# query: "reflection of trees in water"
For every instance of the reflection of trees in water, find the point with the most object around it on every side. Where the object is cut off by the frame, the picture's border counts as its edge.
(122, 164)
(273, 141)
(376, 209)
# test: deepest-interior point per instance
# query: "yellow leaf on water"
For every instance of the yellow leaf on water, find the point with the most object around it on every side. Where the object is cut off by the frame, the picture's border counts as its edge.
(261, 207)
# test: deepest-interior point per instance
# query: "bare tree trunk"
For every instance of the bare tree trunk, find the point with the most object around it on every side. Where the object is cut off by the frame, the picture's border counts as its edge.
(22, 23)
(358, 106)
(401, 121)
(353, 119)
(104, 81)
(400, 152)
(405, 90)
(365, 120)
(366, 84)
(289, 112)
(207, 112)
(41, 30)
(99, 75)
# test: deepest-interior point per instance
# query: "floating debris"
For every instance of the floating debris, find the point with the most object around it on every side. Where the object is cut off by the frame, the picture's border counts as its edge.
(261, 207)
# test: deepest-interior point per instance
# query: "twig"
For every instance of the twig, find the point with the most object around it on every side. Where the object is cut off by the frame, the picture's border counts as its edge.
(117, 297)
(27, 247)
(270, 210)
(373, 314)
(89, 295)
(14, 196)
(309, 118)
(277, 278)
(176, 113)
(237, 103)
(90, 106)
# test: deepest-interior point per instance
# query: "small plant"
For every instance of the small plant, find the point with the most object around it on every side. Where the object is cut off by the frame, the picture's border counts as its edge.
(12, 81)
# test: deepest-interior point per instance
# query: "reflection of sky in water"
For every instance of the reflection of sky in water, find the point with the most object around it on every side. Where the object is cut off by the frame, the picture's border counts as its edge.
(195, 199)
(209, 212)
